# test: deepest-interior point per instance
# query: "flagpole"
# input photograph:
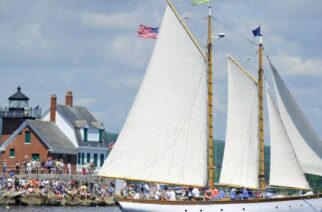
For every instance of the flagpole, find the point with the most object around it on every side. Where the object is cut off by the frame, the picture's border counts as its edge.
(210, 105)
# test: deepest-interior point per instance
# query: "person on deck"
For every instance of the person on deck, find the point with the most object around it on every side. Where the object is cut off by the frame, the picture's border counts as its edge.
(172, 195)
(232, 194)
(220, 195)
(215, 193)
(245, 193)
(157, 195)
(195, 193)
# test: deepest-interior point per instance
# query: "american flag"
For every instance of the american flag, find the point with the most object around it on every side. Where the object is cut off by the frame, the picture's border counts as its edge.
(148, 32)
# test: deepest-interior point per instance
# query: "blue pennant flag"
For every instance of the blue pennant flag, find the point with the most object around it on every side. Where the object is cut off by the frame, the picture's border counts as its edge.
(257, 32)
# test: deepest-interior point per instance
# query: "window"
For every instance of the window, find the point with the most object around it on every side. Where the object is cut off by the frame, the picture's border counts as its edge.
(27, 137)
(79, 158)
(12, 153)
(95, 159)
(88, 157)
(101, 159)
(85, 134)
(83, 157)
(35, 156)
(100, 135)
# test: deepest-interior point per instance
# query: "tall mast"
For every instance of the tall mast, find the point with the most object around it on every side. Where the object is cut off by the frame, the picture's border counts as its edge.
(210, 111)
(262, 182)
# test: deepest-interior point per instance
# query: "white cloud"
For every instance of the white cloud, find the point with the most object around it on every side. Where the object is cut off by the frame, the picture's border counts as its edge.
(32, 37)
(128, 82)
(85, 101)
(130, 48)
(295, 65)
(115, 21)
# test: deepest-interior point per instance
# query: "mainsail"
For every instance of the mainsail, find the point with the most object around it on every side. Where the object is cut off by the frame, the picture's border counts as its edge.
(164, 138)
(240, 162)
(305, 141)
(285, 170)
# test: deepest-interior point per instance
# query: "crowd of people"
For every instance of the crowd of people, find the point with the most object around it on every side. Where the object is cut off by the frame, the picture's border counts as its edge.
(36, 167)
(57, 166)
(93, 190)
(88, 168)
(163, 192)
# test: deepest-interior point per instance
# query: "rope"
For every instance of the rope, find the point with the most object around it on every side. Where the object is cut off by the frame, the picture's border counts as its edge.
(314, 208)
(235, 31)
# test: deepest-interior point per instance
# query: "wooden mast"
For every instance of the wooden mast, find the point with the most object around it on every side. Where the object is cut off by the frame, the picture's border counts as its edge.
(210, 110)
(209, 81)
(262, 183)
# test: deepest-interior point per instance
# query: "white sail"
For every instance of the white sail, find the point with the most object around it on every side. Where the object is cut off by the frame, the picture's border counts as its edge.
(305, 141)
(164, 138)
(285, 170)
(240, 162)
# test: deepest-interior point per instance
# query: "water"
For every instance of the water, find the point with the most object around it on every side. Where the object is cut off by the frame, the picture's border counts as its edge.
(58, 209)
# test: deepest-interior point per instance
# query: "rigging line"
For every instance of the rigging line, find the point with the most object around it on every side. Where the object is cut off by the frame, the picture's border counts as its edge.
(266, 54)
(314, 208)
(235, 31)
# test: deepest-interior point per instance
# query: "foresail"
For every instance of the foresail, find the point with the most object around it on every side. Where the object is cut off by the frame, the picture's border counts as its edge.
(164, 138)
(240, 161)
(305, 141)
(285, 170)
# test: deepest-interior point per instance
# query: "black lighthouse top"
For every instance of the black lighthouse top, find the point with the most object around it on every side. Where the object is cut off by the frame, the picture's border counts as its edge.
(19, 95)
(18, 101)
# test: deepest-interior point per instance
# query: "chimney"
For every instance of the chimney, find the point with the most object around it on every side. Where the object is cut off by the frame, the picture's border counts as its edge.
(53, 103)
(69, 98)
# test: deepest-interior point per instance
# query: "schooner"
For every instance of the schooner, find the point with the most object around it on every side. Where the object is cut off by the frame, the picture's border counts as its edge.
(167, 137)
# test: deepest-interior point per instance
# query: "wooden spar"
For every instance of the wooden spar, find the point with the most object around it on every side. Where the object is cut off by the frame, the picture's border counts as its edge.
(241, 68)
(262, 183)
(210, 110)
(195, 42)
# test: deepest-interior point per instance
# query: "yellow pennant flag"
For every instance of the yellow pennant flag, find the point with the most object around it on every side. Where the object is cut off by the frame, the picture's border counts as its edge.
(197, 2)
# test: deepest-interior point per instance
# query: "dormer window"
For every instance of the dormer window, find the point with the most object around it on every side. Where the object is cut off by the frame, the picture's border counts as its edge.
(85, 134)
(100, 135)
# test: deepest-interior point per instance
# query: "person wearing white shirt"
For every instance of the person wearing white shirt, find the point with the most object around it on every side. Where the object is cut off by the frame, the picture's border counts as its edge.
(69, 167)
(195, 192)
(172, 195)
(157, 195)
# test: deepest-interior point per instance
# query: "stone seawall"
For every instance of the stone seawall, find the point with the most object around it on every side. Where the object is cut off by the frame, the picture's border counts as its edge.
(9, 197)
(20, 199)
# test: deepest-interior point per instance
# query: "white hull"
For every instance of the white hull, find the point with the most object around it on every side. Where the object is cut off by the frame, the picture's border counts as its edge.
(291, 205)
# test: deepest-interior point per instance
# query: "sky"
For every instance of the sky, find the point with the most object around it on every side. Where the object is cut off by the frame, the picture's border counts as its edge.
(91, 47)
